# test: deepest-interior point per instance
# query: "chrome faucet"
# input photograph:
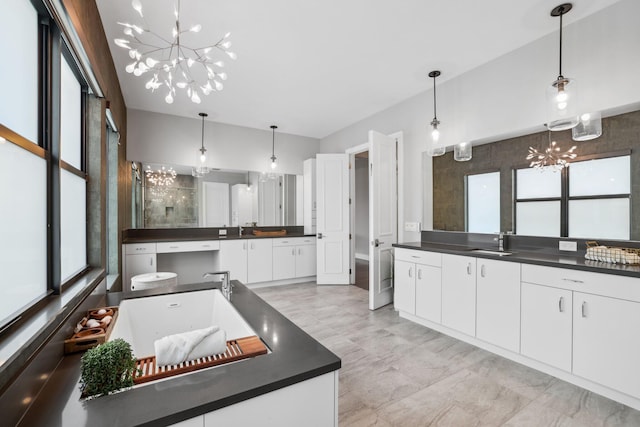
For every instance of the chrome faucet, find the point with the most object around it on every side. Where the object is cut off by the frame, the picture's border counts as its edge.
(240, 230)
(500, 240)
(227, 286)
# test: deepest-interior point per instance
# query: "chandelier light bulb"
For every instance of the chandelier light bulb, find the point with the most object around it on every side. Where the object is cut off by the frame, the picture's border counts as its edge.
(151, 51)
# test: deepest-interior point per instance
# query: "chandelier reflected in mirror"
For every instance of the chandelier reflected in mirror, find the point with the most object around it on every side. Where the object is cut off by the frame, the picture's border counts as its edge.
(170, 62)
(552, 156)
(162, 177)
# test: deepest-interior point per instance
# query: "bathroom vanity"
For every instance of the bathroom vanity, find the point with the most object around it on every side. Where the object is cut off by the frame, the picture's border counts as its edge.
(572, 318)
(295, 384)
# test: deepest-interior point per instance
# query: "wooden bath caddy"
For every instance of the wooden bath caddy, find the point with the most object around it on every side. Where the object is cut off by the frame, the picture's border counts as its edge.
(238, 349)
(269, 233)
(88, 338)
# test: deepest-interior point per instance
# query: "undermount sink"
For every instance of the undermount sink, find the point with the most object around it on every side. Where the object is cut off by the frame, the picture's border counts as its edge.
(488, 252)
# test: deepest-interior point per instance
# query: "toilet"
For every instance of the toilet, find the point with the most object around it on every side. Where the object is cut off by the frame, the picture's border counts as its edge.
(153, 280)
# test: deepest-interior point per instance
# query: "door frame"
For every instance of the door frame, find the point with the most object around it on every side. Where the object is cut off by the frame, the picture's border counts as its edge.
(352, 151)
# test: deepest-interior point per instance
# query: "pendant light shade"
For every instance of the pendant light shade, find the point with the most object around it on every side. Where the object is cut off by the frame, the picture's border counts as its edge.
(462, 152)
(562, 102)
(201, 168)
(589, 127)
(434, 149)
(274, 160)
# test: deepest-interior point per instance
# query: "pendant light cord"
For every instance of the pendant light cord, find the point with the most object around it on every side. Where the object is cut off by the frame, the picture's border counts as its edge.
(273, 141)
(435, 115)
(560, 62)
(202, 148)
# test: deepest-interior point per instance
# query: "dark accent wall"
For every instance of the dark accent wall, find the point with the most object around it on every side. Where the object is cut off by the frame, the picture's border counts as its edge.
(619, 133)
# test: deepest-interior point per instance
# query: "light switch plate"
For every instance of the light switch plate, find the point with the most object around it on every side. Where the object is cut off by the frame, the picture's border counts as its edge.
(568, 246)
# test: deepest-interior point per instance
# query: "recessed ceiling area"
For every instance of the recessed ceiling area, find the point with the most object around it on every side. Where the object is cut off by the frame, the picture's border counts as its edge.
(317, 67)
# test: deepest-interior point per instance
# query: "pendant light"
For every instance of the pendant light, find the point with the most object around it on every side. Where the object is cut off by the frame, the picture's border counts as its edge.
(463, 152)
(589, 127)
(201, 167)
(561, 94)
(248, 181)
(274, 160)
(434, 150)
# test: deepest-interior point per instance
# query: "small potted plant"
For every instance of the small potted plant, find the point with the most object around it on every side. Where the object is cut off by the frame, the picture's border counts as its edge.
(107, 368)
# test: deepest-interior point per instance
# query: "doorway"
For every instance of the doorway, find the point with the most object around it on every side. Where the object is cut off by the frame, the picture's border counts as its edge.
(361, 220)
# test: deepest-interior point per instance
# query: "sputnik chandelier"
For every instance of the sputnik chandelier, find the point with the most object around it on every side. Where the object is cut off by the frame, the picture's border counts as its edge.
(171, 63)
(551, 156)
(162, 177)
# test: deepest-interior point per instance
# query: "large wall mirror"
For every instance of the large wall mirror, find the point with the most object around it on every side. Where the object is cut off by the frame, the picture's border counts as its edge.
(169, 196)
(596, 197)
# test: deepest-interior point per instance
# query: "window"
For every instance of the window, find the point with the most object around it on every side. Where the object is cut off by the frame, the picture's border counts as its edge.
(483, 203)
(589, 199)
(42, 218)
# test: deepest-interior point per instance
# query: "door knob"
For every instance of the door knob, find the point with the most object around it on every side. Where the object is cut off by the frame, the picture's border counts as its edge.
(319, 235)
(377, 243)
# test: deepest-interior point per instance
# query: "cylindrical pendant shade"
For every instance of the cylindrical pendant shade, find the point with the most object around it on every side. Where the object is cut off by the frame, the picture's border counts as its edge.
(462, 152)
(589, 127)
(562, 104)
(434, 151)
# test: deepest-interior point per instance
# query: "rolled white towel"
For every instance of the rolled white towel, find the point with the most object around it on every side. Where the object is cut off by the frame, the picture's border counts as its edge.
(178, 348)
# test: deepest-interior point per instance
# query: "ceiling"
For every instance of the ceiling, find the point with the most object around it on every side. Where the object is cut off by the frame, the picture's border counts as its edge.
(315, 67)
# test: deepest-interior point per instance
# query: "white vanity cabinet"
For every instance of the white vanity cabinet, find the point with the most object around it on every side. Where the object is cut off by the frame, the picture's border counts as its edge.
(139, 258)
(248, 260)
(546, 324)
(233, 258)
(259, 260)
(417, 287)
(294, 257)
(498, 303)
(459, 293)
(606, 348)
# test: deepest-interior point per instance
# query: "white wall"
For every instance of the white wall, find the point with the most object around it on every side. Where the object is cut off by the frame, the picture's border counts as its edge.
(506, 97)
(162, 138)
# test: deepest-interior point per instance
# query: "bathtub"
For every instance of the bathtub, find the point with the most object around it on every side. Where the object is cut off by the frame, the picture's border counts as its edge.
(141, 321)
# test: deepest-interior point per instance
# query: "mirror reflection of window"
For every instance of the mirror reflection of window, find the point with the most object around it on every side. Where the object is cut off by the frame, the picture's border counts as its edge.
(538, 193)
(600, 198)
(483, 202)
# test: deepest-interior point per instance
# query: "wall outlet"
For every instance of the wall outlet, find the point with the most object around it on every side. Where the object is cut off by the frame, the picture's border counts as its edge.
(222, 232)
(568, 246)
(411, 226)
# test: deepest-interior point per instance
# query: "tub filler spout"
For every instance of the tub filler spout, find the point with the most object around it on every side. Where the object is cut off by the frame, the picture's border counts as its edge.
(227, 286)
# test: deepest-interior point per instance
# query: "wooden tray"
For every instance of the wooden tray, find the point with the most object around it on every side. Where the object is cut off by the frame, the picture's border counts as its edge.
(90, 337)
(269, 233)
(238, 349)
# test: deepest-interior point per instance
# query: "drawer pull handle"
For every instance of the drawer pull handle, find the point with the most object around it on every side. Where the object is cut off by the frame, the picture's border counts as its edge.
(415, 256)
(573, 280)
(561, 305)
(584, 309)
(206, 246)
(482, 270)
(174, 247)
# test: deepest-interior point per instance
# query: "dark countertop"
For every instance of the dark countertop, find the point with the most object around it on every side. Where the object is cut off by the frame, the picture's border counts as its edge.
(295, 357)
(129, 240)
(577, 262)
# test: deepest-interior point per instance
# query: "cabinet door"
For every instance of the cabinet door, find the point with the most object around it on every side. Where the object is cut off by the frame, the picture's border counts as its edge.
(546, 324)
(606, 348)
(404, 298)
(428, 292)
(284, 262)
(233, 257)
(260, 262)
(306, 260)
(138, 264)
(498, 303)
(459, 293)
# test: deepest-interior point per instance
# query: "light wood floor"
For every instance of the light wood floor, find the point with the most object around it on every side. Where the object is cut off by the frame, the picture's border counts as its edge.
(397, 373)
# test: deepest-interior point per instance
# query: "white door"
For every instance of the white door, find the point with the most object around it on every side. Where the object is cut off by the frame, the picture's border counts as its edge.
(383, 217)
(215, 206)
(332, 201)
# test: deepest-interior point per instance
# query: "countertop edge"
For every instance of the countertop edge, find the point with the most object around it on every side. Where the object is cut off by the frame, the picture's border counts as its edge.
(524, 257)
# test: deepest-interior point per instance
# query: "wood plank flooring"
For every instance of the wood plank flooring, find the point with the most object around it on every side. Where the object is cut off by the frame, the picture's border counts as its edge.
(397, 373)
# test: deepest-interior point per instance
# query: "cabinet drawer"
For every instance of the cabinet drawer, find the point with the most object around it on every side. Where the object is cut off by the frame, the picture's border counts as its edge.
(188, 246)
(139, 248)
(294, 241)
(610, 285)
(419, 257)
